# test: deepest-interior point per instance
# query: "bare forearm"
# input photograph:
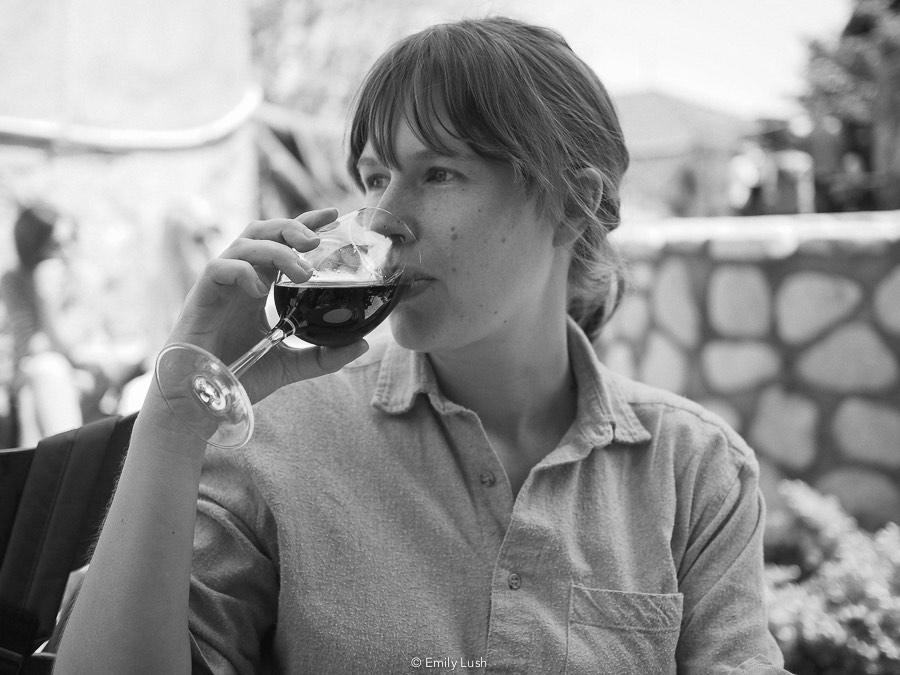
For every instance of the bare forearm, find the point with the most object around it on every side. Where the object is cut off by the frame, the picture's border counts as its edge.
(133, 606)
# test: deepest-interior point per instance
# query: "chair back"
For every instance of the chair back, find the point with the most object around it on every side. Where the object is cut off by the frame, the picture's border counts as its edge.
(53, 499)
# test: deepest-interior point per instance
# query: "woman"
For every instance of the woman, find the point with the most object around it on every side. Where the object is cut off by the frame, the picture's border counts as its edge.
(477, 493)
(37, 294)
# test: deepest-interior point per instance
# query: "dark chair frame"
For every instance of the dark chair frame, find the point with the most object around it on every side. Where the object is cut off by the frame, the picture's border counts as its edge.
(53, 499)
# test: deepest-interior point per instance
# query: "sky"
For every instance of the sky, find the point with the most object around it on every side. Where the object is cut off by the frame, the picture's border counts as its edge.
(744, 56)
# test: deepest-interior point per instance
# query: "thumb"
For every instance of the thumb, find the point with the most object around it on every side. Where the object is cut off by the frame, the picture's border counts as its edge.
(332, 359)
(281, 367)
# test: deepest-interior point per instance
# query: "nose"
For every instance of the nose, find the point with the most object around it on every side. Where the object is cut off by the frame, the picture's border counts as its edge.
(390, 225)
(401, 199)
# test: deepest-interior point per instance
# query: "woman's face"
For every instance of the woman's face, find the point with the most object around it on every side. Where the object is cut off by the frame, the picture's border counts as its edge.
(487, 255)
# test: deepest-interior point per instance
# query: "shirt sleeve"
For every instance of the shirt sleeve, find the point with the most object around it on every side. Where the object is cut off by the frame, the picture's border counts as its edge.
(234, 581)
(724, 624)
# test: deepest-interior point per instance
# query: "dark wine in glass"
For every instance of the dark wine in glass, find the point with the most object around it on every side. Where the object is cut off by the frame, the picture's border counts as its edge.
(333, 314)
(355, 282)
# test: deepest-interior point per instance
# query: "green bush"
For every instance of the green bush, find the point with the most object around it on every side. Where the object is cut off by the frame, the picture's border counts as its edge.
(833, 589)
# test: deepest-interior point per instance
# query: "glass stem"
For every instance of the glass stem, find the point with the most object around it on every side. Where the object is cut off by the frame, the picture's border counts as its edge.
(259, 350)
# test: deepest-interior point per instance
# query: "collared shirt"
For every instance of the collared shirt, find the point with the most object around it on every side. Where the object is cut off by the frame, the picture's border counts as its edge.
(369, 527)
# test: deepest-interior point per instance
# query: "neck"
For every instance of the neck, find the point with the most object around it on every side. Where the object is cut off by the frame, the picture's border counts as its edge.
(519, 379)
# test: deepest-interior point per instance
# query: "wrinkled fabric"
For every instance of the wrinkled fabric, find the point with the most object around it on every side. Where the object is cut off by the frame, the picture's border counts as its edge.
(369, 528)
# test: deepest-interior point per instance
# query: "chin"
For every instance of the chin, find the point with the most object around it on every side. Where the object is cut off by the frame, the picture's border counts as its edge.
(418, 331)
(407, 332)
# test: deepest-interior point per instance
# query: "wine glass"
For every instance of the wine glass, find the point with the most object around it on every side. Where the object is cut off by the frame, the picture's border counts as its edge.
(357, 270)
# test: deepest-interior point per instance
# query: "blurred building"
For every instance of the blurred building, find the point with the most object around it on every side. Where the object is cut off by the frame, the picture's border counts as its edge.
(680, 154)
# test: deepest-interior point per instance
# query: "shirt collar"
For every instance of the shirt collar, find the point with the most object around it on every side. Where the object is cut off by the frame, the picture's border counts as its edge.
(604, 413)
(403, 375)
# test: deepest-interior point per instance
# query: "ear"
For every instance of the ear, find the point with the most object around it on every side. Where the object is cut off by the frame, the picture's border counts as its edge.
(587, 192)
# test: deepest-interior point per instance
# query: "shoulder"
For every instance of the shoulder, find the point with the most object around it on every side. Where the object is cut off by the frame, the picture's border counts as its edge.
(696, 463)
(691, 435)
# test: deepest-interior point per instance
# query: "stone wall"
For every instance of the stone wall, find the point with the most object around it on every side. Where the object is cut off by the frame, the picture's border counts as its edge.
(787, 327)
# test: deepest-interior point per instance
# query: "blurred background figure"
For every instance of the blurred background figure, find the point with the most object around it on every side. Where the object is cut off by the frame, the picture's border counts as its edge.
(752, 180)
(36, 293)
(851, 187)
(66, 367)
(191, 234)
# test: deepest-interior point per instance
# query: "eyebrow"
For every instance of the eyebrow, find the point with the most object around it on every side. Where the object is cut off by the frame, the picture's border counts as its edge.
(426, 154)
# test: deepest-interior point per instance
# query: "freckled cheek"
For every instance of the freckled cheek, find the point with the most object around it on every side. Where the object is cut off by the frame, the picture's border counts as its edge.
(459, 267)
(473, 258)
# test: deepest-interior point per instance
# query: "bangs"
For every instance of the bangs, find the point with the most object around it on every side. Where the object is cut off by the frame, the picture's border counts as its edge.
(430, 83)
(516, 94)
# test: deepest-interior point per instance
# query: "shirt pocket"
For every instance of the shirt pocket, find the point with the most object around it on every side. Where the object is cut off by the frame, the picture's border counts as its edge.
(622, 633)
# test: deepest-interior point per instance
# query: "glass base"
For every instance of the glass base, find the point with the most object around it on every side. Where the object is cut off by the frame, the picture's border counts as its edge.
(204, 395)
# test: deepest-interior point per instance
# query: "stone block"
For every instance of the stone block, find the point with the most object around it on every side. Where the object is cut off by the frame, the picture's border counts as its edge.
(784, 428)
(722, 408)
(619, 358)
(853, 358)
(810, 302)
(730, 367)
(870, 497)
(739, 302)
(887, 301)
(663, 364)
(674, 307)
(641, 275)
(631, 318)
(770, 478)
(868, 431)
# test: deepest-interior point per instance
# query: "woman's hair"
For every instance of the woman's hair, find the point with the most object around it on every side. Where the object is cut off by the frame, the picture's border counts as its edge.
(516, 93)
(33, 233)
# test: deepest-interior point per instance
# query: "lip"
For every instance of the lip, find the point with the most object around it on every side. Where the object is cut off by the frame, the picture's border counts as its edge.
(414, 283)
(413, 275)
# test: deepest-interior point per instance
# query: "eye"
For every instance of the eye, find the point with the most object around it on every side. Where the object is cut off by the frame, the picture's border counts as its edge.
(440, 175)
(375, 181)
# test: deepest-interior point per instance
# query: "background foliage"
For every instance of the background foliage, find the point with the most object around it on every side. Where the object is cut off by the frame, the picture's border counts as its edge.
(312, 54)
(855, 80)
(834, 589)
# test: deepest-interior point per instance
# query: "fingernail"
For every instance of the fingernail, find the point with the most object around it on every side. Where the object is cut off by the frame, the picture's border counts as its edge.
(304, 270)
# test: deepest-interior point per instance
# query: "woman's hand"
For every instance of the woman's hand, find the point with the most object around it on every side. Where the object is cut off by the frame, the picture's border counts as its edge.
(225, 310)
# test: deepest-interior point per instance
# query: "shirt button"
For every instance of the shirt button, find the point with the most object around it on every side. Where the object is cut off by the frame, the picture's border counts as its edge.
(488, 478)
(514, 581)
